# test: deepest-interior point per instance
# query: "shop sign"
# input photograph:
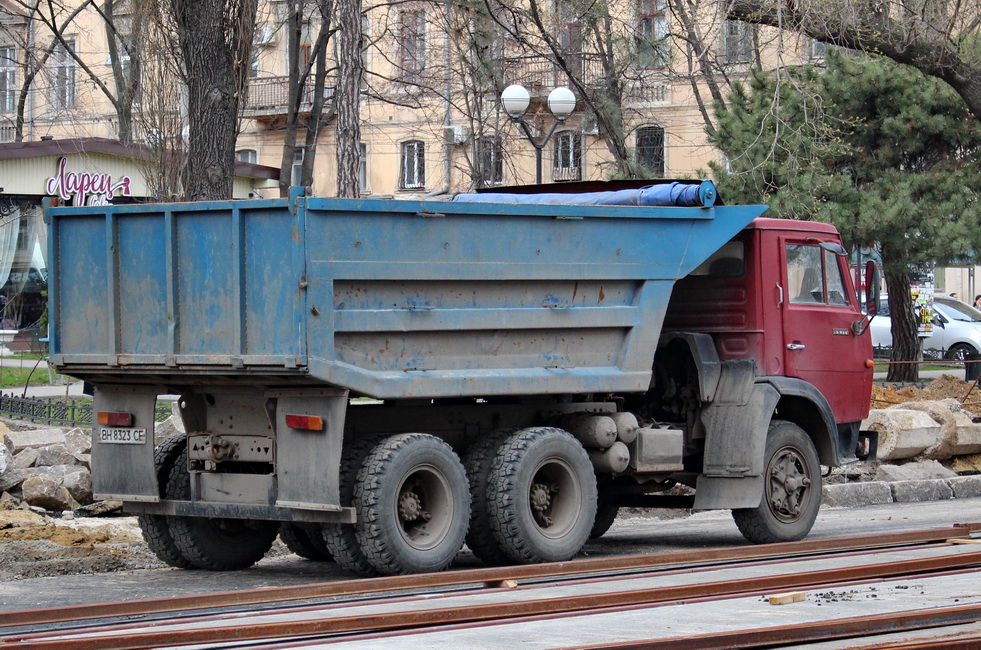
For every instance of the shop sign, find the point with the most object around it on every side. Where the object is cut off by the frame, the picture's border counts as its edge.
(86, 188)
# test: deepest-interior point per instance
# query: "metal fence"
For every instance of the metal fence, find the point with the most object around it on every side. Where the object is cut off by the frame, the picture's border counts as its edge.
(71, 413)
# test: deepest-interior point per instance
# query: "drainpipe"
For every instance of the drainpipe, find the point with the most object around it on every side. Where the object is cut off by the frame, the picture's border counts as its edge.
(447, 121)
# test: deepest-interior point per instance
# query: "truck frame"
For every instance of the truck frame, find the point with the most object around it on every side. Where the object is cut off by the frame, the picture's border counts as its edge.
(381, 381)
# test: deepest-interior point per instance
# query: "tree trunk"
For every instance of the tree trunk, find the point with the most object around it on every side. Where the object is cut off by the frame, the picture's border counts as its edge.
(216, 45)
(348, 97)
(906, 344)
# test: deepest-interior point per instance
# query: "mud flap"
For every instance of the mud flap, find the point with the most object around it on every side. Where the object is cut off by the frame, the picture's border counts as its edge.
(735, 440)
(122, 456)
(309, 461)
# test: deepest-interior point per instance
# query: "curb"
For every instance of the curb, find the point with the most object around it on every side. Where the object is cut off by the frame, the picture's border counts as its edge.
(851, 495)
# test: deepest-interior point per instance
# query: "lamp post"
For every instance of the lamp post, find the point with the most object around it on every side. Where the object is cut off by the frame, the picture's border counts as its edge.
(561, 103)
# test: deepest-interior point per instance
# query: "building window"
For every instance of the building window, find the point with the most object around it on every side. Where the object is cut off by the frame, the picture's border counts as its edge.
(819, 49)
(490, 162)
(652, 33)
(363, 167)
(62, 91)
(650, 150)
(413, 173)
(569, 30)
(247, 156)
(738, 46)
(567, 160)
(8, 80)
(412, 42)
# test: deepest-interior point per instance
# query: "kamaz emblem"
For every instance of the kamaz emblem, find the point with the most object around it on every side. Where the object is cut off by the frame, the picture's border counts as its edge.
(840, 332)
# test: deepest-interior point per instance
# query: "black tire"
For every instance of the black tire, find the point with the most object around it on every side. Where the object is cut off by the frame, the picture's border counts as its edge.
(342, 539)
(413, 504)
(959, 351)
(606, 514)
(542, 496)
(306, 540)
(791, 488)
(477, 464)
(215, 544)
(155, 529)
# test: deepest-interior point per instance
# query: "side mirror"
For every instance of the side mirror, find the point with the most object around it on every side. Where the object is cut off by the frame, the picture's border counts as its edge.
(871, 289)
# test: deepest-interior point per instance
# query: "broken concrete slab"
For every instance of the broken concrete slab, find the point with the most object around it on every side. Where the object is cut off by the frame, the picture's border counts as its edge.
(47, 493)
(17, 441)
(6, 459)
(26, 458)
(913, 471)
(903, 433)
(54, 455)
(78, 441)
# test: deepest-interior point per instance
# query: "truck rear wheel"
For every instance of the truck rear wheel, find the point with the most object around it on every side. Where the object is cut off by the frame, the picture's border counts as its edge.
(306, 540)
(215, 544)
(341, 539)
(155, 529)
(477, 463)
(791, 488)
(413, 505)
(541, 496)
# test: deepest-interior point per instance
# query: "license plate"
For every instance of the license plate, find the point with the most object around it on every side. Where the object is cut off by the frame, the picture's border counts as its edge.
(122, 436)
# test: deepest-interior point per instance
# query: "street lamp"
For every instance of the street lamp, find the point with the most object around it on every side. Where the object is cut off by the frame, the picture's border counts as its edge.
(561, 103)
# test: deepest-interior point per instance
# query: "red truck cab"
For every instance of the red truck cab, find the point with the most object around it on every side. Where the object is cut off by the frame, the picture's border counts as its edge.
(774, 294)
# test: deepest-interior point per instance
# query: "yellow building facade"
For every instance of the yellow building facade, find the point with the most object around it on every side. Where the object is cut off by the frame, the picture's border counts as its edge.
(430, 112)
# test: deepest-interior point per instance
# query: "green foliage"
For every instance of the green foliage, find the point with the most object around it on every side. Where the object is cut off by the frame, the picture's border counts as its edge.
(883, 152)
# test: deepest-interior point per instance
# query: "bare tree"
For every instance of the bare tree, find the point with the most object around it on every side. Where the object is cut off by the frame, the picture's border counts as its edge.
(348, 97)
(215, 39)
(939, 38)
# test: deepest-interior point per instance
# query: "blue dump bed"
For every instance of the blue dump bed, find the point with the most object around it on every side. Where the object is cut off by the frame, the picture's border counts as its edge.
(392, 299)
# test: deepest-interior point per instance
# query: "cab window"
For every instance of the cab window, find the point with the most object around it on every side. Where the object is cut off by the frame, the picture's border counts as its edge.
(814, 276)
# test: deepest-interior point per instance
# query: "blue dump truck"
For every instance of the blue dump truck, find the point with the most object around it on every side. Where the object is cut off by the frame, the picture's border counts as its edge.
(381, 381)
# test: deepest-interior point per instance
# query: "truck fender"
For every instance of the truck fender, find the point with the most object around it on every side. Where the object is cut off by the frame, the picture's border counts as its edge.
(805, 406)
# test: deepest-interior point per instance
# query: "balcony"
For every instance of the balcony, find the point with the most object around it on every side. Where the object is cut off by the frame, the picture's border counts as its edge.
(540, 76)
(269, 97)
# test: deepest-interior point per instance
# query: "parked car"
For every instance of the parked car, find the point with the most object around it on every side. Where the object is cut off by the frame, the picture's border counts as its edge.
(956, 329)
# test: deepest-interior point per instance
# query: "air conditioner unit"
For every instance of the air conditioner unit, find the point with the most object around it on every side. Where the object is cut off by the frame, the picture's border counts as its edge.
(265, 36)
(590, 127)
(457, 134)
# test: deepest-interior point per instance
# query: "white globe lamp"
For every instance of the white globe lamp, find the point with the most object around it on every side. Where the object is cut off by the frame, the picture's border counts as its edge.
(515, 99)
(561, 102)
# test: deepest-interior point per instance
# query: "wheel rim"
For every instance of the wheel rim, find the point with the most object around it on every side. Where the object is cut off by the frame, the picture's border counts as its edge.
(788, 484)
(554, 498)
(424, 508)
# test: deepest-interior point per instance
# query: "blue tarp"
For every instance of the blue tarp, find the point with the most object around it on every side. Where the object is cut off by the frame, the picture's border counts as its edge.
(664, 194)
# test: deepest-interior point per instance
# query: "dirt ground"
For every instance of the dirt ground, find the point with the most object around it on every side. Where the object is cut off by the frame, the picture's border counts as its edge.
(943, 387)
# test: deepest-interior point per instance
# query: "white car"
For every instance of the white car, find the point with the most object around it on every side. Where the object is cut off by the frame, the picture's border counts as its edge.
(956, 329)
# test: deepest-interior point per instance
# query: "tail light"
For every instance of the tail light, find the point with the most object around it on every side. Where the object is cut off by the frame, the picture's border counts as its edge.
(305, 422)
(115, 419)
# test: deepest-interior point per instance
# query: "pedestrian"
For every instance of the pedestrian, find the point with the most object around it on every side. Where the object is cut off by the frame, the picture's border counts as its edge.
(977, 302)
(953, 295)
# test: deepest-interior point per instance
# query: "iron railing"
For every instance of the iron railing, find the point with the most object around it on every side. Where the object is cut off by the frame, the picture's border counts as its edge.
(74, 412)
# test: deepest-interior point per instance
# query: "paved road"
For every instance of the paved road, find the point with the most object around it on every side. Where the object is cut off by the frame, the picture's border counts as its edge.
(638, 534)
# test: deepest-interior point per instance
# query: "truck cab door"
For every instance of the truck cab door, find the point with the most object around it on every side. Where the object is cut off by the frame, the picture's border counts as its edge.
(818, 308)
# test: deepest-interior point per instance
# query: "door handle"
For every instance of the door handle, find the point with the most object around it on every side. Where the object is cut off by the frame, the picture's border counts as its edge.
(795, 346)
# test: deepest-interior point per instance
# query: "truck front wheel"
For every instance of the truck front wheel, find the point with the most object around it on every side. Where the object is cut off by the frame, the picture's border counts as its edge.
(791, 488)
(541, 496)
(215, 544)
(413, 504)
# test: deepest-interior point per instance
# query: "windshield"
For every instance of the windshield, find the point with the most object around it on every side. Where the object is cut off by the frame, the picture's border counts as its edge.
(957, 310)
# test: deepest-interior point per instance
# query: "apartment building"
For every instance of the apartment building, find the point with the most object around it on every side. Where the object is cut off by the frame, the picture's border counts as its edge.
(431, 116)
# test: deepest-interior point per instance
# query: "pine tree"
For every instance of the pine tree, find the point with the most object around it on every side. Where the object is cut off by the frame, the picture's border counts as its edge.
(885, 153)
